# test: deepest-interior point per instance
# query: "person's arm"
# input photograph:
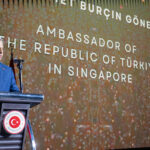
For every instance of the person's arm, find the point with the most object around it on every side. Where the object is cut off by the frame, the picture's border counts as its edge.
(13, 87)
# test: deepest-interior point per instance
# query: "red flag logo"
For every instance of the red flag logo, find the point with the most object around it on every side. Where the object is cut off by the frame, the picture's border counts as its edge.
(14, 122)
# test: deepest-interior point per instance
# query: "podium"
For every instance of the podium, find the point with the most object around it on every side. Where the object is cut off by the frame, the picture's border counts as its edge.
(14, 113)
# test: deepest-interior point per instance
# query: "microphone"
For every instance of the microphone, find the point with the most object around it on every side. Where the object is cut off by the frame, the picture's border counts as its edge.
(18, 61)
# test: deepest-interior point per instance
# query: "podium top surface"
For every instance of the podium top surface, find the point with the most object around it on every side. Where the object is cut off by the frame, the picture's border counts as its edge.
(22, 98)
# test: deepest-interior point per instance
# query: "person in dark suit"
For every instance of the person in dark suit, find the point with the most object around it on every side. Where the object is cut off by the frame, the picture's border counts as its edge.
(7, 79)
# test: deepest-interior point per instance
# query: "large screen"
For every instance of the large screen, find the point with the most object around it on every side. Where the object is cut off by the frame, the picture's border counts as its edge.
(91, 60)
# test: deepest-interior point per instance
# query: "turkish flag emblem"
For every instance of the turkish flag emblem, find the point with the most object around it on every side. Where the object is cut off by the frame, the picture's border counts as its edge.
(14, 122)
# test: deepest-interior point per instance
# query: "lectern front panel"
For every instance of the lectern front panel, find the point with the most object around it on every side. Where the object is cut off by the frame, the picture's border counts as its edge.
(12, 125)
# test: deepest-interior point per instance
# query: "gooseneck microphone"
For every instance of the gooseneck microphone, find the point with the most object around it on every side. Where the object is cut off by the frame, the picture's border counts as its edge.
(19, 63)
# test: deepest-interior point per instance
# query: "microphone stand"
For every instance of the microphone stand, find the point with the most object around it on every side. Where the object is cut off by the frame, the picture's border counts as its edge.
(19, 63)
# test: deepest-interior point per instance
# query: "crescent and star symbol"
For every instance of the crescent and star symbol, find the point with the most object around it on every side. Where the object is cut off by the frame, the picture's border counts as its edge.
(14, 122)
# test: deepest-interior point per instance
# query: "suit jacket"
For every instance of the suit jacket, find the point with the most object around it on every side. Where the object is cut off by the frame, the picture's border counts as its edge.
(7, 80)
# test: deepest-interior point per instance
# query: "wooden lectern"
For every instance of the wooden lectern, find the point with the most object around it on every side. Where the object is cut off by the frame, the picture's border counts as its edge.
(14, 113)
